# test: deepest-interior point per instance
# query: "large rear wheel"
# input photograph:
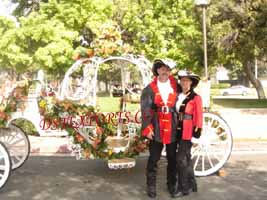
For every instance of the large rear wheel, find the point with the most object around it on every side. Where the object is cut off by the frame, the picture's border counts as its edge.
(5, 165)
(212, 150)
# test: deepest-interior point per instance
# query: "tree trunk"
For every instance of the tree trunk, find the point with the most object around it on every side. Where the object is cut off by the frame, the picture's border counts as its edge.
(106, 86)
(255, 82)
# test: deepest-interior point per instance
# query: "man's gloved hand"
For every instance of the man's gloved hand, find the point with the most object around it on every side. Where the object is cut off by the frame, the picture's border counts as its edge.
(197, 132)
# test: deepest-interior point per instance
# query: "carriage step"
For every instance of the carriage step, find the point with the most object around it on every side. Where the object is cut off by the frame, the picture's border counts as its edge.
(122, 163)
(53, 133)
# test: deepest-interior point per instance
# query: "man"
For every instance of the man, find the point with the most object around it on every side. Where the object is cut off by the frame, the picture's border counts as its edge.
(159, 123)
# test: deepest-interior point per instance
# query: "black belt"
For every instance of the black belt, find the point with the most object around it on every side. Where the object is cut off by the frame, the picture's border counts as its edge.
(165, 109)
(183, 116)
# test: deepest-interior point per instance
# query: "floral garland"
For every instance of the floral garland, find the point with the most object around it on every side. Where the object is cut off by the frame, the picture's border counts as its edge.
(108, 42)
(14, 102)
(51, 108)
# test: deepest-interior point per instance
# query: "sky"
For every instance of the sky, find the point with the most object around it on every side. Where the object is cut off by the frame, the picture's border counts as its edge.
(6, 8)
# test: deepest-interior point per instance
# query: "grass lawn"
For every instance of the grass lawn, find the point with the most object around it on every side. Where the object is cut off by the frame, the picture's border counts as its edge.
(239, 103)
(111, 104)
(215, 92)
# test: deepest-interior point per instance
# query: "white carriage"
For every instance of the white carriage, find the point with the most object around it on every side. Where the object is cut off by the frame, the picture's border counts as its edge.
(210, 152)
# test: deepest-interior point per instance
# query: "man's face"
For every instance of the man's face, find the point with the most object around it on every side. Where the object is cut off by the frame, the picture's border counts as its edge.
(164, 72)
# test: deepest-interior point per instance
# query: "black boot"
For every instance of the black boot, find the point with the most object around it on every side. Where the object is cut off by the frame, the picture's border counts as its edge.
(151, 185)
(179, 193)
(191, 177)
(171, 188)
(151, 191)
(193, 185)
(171, 183)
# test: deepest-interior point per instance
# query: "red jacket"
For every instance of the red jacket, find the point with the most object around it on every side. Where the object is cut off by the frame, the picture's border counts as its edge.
(192, 107)
(164, 125)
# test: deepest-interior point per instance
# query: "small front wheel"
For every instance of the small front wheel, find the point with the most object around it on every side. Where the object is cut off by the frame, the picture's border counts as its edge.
(17, 143)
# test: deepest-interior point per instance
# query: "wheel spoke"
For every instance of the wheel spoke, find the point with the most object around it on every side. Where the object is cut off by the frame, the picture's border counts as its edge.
(13, 152)
(16, 142)
(195, 152)
(210, 122)
(3, 138)
(17, 156)
(2, 167)
(9, 140)
(215, 156)
(207, 153)
(195, 165)
(222, 134)
(219, 142)
(203, 161)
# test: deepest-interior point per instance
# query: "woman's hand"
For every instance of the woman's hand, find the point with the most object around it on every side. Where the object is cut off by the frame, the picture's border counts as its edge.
(150, 135)
(197, 132)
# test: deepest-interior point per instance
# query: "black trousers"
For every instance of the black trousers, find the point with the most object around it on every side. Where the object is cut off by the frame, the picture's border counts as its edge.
(155, 149)
(186, 176)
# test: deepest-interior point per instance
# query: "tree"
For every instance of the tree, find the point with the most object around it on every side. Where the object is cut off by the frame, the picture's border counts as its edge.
(51, 31)
(161, 29)
(48, 36)
(37, 43)
(238, 28)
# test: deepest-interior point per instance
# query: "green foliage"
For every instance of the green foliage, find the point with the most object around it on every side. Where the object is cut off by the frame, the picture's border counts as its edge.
(238, 36)
(26, 126)
(37, 43)
(161, 29)
(49, 31)
(220, 86)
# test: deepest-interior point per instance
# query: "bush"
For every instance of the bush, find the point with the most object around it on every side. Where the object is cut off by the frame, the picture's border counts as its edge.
(26, 126)
(220, 86)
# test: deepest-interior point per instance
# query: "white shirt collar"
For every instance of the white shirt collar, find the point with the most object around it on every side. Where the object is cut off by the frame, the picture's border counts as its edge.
(165, 89)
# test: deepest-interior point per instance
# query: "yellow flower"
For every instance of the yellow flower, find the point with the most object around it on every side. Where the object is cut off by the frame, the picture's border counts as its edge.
(87, 153)
(42, 104)
(2, 107)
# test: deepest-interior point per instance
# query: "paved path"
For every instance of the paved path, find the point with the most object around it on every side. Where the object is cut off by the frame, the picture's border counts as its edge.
(61, 145)
(64, 178)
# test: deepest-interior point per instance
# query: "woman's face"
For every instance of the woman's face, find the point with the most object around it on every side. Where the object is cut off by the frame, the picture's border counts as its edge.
(185, 83)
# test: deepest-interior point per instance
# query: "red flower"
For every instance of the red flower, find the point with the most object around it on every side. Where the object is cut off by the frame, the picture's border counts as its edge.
(79, 138)
(96, 142)
(76, 57)
(99, 130)
(3, 115)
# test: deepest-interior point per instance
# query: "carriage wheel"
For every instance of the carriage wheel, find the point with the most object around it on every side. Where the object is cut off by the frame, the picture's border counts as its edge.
(18, 145)
(5, 165)
(212, 150)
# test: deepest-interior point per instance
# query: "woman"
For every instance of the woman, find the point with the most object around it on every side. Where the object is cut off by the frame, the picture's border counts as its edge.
(190, 117)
